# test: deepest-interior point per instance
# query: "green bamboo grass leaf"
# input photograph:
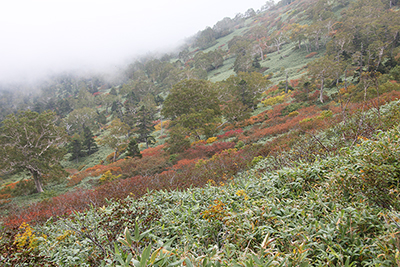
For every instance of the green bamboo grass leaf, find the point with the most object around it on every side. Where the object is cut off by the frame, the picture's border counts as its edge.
(145, 256)
(188, 263)
(128, 237)
(177, 263)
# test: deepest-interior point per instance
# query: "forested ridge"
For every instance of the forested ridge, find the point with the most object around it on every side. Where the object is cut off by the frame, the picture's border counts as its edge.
(269, 139)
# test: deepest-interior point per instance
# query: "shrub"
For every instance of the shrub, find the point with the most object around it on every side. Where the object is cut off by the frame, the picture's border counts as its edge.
(211, 140)
(230, 133)
(204, 151)
(108, 177)
(271, 101)
(371, 169)
(151, 151)
(291, 108)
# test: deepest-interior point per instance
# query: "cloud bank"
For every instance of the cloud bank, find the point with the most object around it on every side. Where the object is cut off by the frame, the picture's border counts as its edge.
(45, 36)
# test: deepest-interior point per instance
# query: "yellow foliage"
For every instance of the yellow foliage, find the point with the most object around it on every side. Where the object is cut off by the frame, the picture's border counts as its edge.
(198, 142)
(27, 238)
(215, 212)
(275, 100)
(211, 140)
(325, 114)
(242, 193)
(108, 177)
(65, 235)
(305, 120)
(165, 125)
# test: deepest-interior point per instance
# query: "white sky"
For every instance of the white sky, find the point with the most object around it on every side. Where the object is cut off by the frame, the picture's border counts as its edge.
(42, 36)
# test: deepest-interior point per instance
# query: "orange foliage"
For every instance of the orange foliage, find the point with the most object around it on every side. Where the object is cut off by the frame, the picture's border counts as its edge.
(12, 185)
(276, 124)
(311, 54)
(151, 151)
(183, 162)
(294, 83)
(254, 119)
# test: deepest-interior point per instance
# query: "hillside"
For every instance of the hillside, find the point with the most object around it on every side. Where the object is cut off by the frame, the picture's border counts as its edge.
(270, 139)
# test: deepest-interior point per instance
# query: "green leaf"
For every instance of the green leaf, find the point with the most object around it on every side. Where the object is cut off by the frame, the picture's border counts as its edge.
(145, 255)
(188, 263)
(137, 234)
(176, 263)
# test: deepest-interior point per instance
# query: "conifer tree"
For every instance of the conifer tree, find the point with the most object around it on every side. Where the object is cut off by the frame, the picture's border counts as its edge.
(89, 144)
(75, 148)
(144, 125)
(133, 149)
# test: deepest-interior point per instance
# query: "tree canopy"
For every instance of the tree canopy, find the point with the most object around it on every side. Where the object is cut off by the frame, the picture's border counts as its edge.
(194, 105)
(31, 142)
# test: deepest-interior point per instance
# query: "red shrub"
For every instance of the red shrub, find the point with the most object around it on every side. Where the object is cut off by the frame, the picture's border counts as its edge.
(204, 151)
(183, 162)
(230, 133)
(294, 83)
(152, 151)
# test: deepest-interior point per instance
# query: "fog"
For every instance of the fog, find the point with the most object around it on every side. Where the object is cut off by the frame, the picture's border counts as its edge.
(44, 37)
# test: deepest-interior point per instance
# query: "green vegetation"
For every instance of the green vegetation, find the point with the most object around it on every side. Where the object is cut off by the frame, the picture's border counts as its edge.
(295, 217)
(270, 139)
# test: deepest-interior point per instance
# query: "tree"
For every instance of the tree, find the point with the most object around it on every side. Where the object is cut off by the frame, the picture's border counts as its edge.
(190, 95)
(117, 132)
(243, 49)
(321, 69)
(144, 125)
(249, 13)
(297, 33)
(247, 87)
(84, 99)
(75, 148)
(78, 119)
(133, 149)
(205, 38)
(31, 142)
(63, 108)
(194, 105)
(224, 27)
(177, 141)
(113, 91)
(208, 61)
(234, 111)
(277, 39)
(88, 143)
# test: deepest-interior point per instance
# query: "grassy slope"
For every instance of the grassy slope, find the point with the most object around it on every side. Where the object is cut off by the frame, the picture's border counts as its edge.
(296, 217)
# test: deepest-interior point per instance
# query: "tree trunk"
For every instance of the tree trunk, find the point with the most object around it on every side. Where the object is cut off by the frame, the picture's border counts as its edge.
(115, 154)
(38, 183)
(321, 98)
(287, 84)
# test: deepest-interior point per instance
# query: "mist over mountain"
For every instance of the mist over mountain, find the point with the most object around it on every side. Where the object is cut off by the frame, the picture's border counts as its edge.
(45, 37)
